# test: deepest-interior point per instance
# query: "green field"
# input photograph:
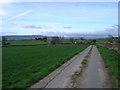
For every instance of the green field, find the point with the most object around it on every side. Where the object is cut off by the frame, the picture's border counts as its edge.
(26, 42)
(24, 65)
(97, 40)
(34, 42)
(111, 58)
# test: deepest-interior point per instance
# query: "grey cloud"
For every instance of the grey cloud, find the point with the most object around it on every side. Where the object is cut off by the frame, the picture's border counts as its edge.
(68, 27)
(95, 34)
(112, 30)
(32, 26)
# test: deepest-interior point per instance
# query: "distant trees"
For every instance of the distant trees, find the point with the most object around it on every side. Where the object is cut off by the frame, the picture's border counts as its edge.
(94, 41)
(55, 40)
(45, 39)
(42, 39)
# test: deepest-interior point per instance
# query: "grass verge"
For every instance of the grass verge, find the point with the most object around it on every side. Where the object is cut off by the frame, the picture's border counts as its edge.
(110, 58)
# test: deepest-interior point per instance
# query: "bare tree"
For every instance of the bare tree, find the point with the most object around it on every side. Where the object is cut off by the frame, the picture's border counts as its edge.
(55, 40)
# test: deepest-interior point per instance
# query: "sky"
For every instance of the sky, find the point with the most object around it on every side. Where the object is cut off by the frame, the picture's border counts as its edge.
(60, 18)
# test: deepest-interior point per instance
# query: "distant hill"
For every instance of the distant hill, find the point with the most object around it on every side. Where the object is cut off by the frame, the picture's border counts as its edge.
(32, 37)
(22, 37)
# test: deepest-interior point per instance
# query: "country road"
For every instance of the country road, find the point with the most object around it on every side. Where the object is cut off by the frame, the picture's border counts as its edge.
(93, 76)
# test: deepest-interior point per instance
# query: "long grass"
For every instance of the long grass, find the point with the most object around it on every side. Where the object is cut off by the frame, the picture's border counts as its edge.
(24, 65)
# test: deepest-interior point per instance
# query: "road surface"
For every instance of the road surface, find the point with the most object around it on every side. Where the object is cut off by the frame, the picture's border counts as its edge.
(94, 75)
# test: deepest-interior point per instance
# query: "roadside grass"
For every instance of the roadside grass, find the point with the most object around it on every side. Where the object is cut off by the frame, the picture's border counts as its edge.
(110, 58)
(23, 66)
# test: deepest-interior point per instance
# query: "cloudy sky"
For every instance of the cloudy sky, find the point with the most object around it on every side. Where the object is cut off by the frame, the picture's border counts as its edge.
(60, 18)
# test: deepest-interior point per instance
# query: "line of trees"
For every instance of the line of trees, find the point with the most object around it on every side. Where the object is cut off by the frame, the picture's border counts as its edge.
(42, 39)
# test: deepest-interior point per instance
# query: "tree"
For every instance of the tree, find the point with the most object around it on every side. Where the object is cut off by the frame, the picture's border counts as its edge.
(55, 40)
(94, 41)
(36, 38)
(40, 39)
(45, 39)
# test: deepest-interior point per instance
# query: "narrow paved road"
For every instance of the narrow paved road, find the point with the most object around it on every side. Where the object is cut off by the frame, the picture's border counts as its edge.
(95, 76)
(60, 77)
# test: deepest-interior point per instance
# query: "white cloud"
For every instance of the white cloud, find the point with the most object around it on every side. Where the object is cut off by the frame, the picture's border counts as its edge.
(19, 15)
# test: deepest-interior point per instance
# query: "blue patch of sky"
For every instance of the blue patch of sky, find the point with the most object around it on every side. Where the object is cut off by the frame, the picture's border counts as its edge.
(81, 16)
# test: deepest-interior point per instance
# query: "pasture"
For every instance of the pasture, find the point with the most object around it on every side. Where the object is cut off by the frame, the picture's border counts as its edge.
(25, 65)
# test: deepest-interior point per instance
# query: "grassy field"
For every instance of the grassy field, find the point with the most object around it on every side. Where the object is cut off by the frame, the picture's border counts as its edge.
(26, 42)
(111, 58)
(106, 40)
(24, 65)
(32, 42)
